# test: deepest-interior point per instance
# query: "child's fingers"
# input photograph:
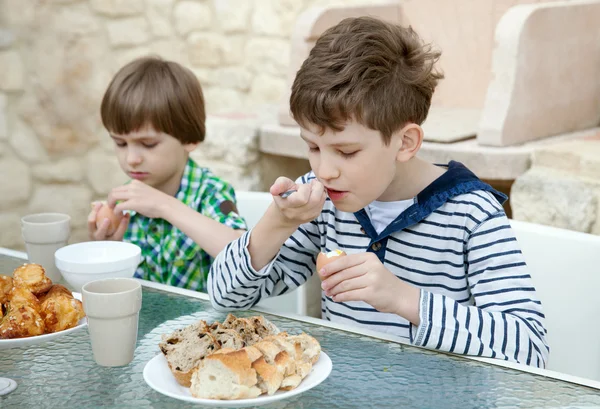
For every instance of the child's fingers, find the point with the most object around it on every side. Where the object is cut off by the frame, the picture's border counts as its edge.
(317, 194)
(96, 206)
(353, 264)
(296, 199)
(345, 283)
(91, 220)
(120, 232)
(122, 206)
(102, 230)
(116, 195)
(282, 184)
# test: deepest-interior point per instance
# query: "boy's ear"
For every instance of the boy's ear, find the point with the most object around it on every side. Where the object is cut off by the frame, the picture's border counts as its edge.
(410, 139)
(189, 147)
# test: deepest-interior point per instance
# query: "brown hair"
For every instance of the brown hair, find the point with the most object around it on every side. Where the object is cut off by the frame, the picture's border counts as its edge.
(377, 73)
(152, 91)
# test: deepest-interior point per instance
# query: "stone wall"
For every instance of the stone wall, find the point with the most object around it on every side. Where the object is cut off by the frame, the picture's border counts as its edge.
(562, 188)
(57, 57)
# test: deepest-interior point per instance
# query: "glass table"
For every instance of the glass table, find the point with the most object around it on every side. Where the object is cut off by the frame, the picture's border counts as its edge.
(367, 371)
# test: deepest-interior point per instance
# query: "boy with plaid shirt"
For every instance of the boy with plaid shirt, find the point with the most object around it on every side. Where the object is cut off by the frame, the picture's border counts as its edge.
(181, 215)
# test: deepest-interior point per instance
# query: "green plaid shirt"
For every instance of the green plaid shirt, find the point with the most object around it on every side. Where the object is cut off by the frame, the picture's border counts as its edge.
(168, 255)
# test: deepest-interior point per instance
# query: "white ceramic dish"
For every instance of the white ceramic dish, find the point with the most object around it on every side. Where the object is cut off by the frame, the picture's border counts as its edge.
(24, 342)
(82, 263)
(159, 377)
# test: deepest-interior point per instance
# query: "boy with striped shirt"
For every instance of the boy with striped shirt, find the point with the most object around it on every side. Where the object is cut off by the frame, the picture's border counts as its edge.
(431, 256)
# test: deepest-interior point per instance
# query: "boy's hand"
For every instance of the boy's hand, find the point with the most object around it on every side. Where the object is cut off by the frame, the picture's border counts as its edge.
(100, 233)
(362, 277)
(140, 198)
(302, 206)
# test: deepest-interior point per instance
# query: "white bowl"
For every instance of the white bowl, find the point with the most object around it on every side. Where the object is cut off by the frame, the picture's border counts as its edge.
(82, 263)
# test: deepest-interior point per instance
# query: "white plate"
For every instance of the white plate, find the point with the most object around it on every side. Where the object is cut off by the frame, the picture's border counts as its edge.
(158, 375)
(23, 342)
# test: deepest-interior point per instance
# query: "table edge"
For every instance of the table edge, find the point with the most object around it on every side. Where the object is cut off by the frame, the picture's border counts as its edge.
(359, 331)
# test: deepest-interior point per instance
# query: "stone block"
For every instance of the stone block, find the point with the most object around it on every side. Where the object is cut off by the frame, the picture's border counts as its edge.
(158, 13)
(69, 22)
(7, 38)
(26, 144)
(223, 100)
(190, 16)
(118, 8)
(555, 198)
(581, 158)
(61, 171)
(103, 172)
(267, 89)
(272, 167)
(206, 49)
(230, 138)
(233, 16)
(10, 231)
(16, 182)
(275, 18)
(215, 50)
(545, 73)
(269, 56)
(172, 50)
(73, 200)
(12, 71)
(128, 32)
(238, 78)
(3, 118)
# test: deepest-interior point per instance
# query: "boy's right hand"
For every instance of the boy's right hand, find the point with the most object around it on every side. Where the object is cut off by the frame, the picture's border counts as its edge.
(100, 233)
(302, 206)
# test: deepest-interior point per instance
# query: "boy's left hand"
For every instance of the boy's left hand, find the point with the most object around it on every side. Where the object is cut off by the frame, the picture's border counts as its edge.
(140, 198)
(362, 277)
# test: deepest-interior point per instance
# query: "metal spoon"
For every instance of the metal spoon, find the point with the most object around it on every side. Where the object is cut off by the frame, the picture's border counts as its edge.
(287, 193)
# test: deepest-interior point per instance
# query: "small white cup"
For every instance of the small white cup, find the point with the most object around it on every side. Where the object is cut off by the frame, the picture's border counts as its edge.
(44, 233)
(113, 307)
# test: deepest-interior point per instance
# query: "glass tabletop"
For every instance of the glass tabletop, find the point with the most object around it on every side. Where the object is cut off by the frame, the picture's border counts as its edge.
(367, 372)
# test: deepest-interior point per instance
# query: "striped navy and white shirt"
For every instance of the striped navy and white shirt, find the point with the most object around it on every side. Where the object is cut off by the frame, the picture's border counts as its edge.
(454, 243)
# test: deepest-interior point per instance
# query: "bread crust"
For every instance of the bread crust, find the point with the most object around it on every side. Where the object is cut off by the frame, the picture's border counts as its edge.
(251, 357)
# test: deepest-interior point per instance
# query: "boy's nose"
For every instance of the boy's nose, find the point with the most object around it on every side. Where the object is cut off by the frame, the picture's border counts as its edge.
(327, 170)
(133, 158)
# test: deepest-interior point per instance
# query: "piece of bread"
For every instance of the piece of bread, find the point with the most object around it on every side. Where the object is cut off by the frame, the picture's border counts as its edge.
(274, 355)
(252, 329)
(56, 289)
(290, 382)
(226, 376)
(186, 348)
(32, 277)
(228, 338)
(288, 347)
(263, 326)
(22, 296)
(61, 311)
(245, 328)
(21, 321)
(269, 376)
(6, 284)
(308, 348)
(228, 321)
(239, 358)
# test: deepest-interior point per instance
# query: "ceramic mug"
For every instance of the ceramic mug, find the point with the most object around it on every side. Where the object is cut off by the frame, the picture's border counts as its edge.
(44, 233)
(113, 308)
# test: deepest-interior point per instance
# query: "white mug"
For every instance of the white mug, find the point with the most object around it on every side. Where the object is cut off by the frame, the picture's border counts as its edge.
(44, 233)
(113, 307)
